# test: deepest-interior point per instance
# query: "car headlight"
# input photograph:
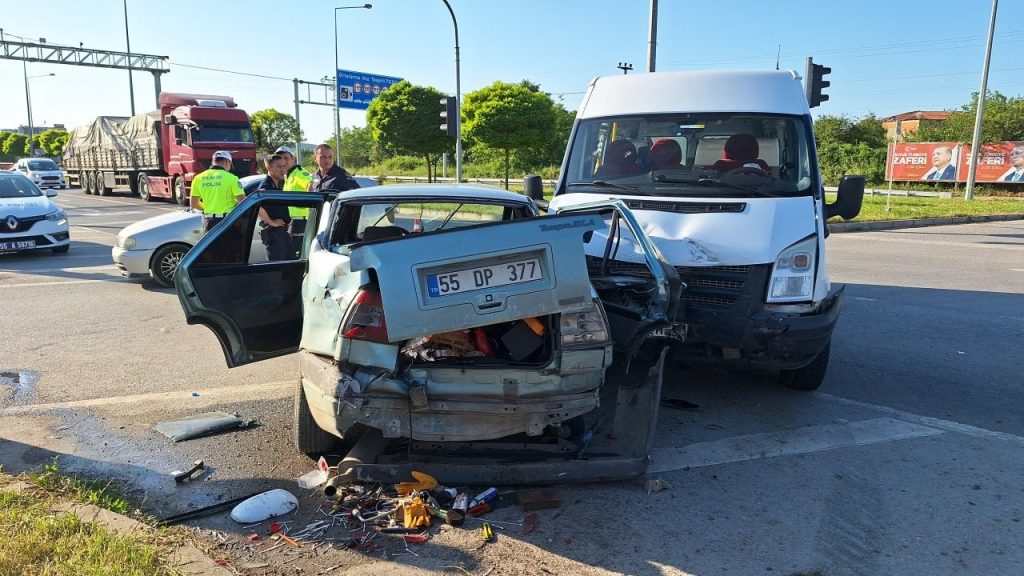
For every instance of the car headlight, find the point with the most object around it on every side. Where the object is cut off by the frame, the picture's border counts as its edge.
(125, 242)
(56, 216)
(793, 273)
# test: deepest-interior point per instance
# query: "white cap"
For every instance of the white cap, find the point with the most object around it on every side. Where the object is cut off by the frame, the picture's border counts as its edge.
(284, 149)
(222, 154)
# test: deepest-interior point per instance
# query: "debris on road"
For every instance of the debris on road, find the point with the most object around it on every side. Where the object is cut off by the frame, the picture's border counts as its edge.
(202, 425)
(656, 485)
(180, 476)
(269, 504)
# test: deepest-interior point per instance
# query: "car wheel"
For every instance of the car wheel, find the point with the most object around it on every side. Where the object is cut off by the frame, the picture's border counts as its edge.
(309, 437)
(809, 377)
(165, 262)
(61, 249)
(143, 188)
(101, 186)
(179, 191)
(89, 182)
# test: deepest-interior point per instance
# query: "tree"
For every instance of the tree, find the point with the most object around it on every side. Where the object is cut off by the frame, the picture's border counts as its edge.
(271, 129)
(53, 140)
(1003, 120)
(15, 145)
(849, 146)
(358, 149)
(405, 119)
(3, 139)
(508, 117)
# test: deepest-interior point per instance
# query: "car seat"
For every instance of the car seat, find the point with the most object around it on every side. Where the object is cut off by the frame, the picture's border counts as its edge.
(372, 233)
(619, 160)
(666, 154)
(740, 150)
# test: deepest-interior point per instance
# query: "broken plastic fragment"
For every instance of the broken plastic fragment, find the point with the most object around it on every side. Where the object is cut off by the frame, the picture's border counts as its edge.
(422, 482)
(201, 425)
(265, 506)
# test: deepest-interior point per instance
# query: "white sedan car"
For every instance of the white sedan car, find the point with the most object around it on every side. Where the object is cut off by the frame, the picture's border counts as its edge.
(29, 220)
(154, 246)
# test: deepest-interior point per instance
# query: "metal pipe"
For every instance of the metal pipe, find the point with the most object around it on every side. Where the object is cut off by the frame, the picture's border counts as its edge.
(365, 451)
(978, 119)
(652, 38)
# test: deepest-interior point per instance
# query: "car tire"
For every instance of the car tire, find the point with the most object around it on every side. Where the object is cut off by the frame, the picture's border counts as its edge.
(309, 437)
(165, 262)
(61, 249)
(178, 188)
(101, 186)
(809, 377)
(88, 182)
(142, 186)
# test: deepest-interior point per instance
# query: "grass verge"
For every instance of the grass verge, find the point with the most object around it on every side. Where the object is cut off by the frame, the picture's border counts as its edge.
(913, 207)
(40, 541)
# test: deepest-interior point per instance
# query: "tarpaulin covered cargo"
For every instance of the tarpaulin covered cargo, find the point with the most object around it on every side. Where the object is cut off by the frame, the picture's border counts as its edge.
(113, 142)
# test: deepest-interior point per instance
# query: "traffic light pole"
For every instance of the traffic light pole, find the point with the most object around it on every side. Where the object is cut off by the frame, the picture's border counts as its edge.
(458, 100)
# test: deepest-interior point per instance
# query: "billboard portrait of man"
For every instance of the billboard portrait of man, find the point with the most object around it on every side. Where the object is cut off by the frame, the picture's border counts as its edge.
(1016, 171)
(942, 164)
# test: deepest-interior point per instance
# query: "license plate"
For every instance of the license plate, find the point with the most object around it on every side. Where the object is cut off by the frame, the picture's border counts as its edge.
(17, 245)
(484, 277)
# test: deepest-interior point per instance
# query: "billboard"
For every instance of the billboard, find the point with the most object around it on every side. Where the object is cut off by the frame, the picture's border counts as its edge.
(357, 89)
(998, 162)
(924, 161)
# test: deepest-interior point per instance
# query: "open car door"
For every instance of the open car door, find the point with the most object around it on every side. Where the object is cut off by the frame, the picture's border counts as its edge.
(225, 282)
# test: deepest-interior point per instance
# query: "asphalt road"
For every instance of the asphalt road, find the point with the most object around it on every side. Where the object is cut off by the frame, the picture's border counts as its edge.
(907, 461)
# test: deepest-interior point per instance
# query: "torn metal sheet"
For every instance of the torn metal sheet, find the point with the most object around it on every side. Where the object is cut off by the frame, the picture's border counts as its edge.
(201, 425)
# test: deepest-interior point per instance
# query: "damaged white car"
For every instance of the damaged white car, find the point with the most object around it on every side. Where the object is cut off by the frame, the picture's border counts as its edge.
(446, 320)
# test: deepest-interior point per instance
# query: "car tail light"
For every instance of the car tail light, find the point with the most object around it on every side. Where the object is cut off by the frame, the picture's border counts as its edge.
(365, 320)
(584, 327)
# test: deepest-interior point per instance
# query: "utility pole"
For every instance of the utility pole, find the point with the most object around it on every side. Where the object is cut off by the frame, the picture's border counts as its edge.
(652, 37)
(128, 43)
(976, 140)
(625, 67)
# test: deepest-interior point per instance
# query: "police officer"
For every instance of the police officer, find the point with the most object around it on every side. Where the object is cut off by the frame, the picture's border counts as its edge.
(330, 176)
(296, 180)
(274, 218)
(216, 191)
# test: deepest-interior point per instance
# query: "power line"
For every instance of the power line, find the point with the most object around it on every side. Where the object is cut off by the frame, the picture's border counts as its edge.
(231, 71)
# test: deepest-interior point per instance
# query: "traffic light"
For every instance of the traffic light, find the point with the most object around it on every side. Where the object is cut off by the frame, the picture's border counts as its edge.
(450, 116)
(814, 83)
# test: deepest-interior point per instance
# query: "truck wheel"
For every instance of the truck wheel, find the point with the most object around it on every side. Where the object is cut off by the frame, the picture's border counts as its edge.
(83, 181)
(165, 262)
(143, 187)
(179, 191)
(309, 437)
(809, 377)
(101, 186)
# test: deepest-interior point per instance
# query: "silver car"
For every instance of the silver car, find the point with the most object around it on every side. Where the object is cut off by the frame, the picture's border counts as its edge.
(155, 246)
(443, 316)
(43, 172)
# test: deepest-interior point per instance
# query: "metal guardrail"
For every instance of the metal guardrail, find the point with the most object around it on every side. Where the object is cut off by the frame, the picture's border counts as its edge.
(465, 180)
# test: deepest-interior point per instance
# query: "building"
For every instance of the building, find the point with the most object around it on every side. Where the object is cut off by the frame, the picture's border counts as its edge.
(37, 130)
(909, 122)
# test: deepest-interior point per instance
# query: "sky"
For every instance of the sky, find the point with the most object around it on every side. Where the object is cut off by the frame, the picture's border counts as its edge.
(887, 57)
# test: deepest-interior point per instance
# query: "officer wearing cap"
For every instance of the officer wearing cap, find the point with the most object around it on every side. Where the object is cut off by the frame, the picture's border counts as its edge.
(296, 180)
(216, 191)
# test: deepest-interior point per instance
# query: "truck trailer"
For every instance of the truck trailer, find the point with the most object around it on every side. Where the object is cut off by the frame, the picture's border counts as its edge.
(158, 153)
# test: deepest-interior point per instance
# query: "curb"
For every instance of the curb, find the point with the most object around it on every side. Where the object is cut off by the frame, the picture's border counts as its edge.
(918, 223)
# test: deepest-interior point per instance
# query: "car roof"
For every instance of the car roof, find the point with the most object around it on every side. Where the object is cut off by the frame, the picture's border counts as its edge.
(440, 191)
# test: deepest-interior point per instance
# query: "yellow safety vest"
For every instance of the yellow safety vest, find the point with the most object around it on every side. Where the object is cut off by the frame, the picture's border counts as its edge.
(297, 181)
(216, 188)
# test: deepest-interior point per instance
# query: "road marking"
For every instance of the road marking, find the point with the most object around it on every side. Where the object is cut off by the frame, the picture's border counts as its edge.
(904, 240)
(75, 269)
(114, 234)
(64, 283)
(264, 391)
(947, 425)
(862, 298)
(1016, 269)
(786, 443)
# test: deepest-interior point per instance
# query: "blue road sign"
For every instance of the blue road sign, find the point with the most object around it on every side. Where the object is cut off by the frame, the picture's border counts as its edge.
(357, 89)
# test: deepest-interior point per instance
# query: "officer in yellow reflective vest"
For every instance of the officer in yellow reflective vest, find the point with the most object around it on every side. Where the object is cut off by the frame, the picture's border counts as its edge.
(296, 180)
(216, 191)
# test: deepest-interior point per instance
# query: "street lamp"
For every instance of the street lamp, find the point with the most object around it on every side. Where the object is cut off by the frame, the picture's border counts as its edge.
(337, 114)
(28, 104)
(458, 100)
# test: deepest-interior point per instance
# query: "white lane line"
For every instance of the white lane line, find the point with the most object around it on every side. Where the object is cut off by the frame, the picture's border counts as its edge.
(114, 234)
(964, 245)
(64, 283)
(264, 391)
(786, 443)
(76, 269)
(939, 423)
